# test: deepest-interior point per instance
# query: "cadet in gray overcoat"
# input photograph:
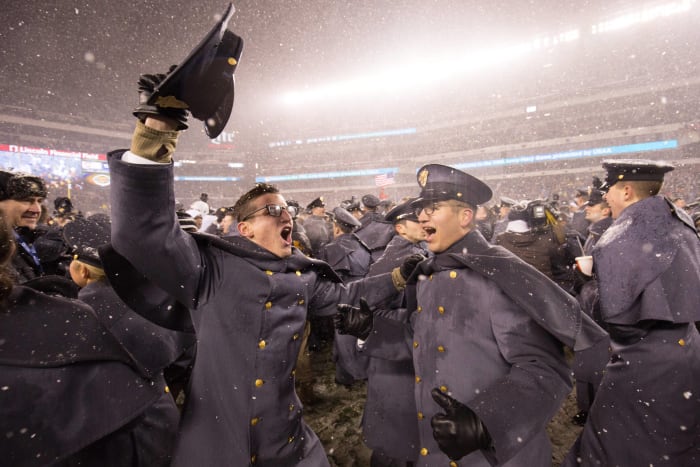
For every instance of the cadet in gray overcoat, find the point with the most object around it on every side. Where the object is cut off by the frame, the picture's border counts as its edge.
(486, 337)
(647, 408)
(250, 296)
(388, 420)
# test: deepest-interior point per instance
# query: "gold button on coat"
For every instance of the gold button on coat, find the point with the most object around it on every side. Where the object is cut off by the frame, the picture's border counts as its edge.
(441, 309)
(424, 451)
(268, 305)
(262, 344)
(259, 382)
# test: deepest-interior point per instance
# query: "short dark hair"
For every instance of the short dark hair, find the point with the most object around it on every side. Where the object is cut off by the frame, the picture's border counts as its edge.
(242, 206)
(646, 188)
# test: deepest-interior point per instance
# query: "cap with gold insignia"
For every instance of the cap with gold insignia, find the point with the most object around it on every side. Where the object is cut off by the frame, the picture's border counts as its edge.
(21, 186)
(344, 218)
(84, 237)
(403, 212)
(440, 183)
(634, 170)
(204, 82)
(317, 203)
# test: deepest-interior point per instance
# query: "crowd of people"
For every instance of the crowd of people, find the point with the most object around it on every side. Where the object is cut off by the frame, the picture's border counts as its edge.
(170, 335)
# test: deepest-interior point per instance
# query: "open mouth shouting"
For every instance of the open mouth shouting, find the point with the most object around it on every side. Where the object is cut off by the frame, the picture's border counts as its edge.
(429, 233)
(286, 235)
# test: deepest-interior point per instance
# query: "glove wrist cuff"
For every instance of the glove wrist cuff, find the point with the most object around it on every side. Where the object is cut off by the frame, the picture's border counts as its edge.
(398, 279)
(152, 144)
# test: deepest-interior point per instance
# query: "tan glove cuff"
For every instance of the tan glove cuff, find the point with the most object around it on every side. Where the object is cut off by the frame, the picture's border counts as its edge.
(397, 279)
(153, 144)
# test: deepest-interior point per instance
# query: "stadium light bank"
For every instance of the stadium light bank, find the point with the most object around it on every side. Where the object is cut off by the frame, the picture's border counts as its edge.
(402, 77)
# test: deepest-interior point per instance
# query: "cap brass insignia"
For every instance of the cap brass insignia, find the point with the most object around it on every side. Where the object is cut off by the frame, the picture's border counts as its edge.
(423, 177)
(171, 102)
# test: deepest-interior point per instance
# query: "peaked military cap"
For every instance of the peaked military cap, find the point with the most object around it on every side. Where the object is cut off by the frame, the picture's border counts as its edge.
(370, 201)
(596, 197)
(204, 82)
(20, 186)
(440, 183)
(343, 217)
(317, 203)
(351, 204)
(634, 170)
(508, 202)
(83, 237)
(403, 212)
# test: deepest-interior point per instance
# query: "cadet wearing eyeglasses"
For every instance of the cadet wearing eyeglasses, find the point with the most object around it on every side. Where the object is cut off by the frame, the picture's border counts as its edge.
(249, 295)
(485, 333)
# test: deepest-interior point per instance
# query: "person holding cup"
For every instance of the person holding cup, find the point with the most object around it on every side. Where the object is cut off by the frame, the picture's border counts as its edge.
(589, 366)
(647, 265)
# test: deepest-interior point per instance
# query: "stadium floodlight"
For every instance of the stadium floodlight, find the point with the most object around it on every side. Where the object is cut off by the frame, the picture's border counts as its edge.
(643, 15)
(411, 76)
(398, 79)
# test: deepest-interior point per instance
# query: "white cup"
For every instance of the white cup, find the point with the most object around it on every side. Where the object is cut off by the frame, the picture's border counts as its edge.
(585, 264)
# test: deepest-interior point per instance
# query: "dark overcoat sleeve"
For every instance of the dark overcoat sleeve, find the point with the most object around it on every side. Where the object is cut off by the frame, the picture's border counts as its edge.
(145, 229)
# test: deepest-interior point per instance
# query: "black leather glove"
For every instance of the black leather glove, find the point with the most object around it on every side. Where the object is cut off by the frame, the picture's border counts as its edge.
(458, 431)
(147, 84)
(353, 320)
(409, 265)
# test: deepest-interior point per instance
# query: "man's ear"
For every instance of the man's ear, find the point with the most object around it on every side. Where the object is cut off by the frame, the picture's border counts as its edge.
(83, 271)
(245, 229)
(466, 216)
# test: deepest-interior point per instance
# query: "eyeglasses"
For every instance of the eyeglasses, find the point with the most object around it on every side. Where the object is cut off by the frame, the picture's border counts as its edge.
(428, 209)
(274, 210)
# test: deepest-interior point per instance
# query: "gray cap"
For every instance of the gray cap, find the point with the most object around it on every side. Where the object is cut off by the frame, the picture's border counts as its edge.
(343, 217)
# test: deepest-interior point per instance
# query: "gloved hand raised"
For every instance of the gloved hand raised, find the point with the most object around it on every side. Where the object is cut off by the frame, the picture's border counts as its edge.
(353, 320)
(174, 110)
(409, 265)
(458, 431)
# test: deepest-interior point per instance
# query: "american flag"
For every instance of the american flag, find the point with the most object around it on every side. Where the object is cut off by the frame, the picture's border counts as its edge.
(384, 179)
